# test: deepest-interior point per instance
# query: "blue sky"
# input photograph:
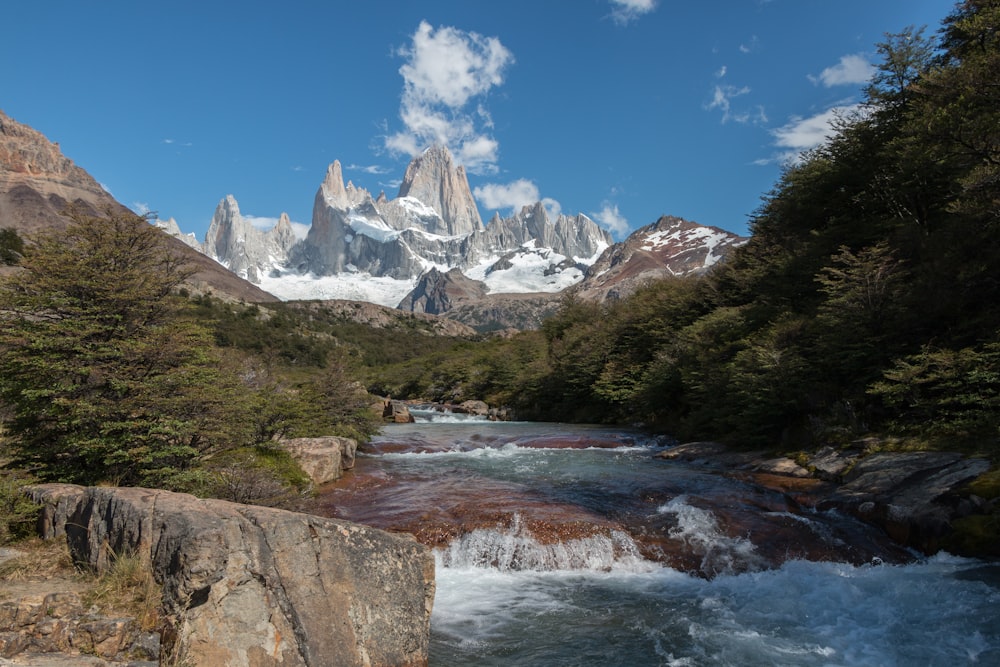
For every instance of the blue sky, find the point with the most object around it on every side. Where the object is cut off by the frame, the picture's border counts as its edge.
(624, 110)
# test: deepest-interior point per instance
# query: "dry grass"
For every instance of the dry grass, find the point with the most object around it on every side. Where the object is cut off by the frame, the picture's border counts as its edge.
(39, 560)
(128, 588)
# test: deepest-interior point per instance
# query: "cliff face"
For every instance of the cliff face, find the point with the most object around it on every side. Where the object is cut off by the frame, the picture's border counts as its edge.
(253, 586)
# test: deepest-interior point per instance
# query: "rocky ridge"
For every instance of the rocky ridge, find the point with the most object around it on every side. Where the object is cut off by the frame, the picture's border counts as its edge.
(670, 246)
(432, 223)
(38, 183)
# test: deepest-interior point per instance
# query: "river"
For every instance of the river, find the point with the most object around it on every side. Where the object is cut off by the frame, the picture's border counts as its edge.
(566, 545)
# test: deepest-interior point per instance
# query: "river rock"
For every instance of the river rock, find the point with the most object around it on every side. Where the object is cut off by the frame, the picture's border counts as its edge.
(912, 495)
(323, 459)
(397, 412)
(254, 586)
(478, 408)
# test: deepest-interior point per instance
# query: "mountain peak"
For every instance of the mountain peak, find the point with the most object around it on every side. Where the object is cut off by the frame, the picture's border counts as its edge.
(433, 179)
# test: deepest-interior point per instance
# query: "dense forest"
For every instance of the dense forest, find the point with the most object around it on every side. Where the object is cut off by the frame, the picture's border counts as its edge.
(866, 301)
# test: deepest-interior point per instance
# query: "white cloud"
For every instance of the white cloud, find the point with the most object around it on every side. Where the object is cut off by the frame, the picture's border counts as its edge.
(513, 195)
(446, 70)
(721, 73)
(260, 222)
(852, 69)
(552, 208)
(610, 217)
(799, 135)
(625, 11)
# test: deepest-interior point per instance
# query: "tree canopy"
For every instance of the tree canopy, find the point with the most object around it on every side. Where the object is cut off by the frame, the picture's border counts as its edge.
(102, 379)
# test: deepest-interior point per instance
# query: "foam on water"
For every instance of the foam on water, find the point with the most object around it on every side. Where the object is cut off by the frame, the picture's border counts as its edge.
(941, 611)
(517, 549)
(700, 531)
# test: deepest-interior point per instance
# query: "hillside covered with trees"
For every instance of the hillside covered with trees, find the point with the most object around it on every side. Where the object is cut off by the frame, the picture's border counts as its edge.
(866, 302)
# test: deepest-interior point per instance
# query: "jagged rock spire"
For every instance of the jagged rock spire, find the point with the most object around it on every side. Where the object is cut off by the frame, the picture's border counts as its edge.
(433, 179)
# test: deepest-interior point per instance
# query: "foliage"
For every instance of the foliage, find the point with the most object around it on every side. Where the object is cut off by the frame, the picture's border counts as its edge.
(11, 246)
(103, 381)
(18, 513)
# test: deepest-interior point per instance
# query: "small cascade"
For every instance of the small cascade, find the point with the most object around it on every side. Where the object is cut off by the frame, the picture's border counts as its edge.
(516, 549)
(699, 530)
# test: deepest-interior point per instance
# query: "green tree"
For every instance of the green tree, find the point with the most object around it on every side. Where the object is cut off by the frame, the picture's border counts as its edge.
(11, 247)
(103, 380)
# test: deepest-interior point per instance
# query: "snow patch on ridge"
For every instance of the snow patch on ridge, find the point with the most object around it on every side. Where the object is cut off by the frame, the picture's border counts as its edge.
(527, 273)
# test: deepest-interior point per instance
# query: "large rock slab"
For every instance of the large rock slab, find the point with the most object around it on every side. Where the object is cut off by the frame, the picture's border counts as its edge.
(254, 586)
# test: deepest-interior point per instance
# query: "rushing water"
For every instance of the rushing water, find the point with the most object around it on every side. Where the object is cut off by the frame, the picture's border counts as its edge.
(566, 545)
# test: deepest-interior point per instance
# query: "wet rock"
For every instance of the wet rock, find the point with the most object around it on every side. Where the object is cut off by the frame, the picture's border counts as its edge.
(913, 496)
(245, 585)
(323, 459)
(713, 454)
(782, 466)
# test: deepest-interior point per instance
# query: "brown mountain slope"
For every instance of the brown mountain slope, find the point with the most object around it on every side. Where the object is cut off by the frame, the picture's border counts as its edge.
(38, 183)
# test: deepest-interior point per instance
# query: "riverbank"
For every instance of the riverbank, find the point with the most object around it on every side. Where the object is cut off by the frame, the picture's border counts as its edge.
(925, 500)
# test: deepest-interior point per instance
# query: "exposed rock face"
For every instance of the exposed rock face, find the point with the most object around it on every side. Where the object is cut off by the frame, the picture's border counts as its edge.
(247, 250)
(911, 494)
(431, 178)
(38, 183)
(437, 292)
(254, 586)
(323, 459)
(669, 247)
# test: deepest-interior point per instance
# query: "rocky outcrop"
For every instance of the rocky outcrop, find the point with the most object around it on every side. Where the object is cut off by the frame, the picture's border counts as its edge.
(59, 623)
(914, 496)
(246, 585)
(397, 412)
(324, 459)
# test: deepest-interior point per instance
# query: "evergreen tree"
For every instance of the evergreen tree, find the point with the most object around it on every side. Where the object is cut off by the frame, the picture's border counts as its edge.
(102, 380)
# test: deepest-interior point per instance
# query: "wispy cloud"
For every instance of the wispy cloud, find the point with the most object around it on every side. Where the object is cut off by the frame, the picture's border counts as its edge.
(368, 168)
(446, 70)
(611, 218)
(851, 70)
(722, 100)
(624, 12)
(751, 46)
(800, 135)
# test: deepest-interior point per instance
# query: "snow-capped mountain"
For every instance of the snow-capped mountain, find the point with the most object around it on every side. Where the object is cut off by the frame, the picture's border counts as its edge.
(376, 249)
(670, 246)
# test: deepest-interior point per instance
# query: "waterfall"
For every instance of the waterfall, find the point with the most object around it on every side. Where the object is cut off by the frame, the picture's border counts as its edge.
(516, 549)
